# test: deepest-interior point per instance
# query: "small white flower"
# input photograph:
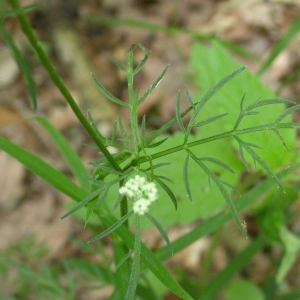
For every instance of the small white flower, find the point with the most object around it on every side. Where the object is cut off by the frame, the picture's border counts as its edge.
(141, 192)
(141, 206)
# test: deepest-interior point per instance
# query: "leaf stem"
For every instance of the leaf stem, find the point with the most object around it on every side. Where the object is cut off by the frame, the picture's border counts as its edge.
(227, 134)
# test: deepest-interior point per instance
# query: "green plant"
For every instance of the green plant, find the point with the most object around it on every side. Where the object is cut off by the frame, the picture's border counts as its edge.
(144, 154)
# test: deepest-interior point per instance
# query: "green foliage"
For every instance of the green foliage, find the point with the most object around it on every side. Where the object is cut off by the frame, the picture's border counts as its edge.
(245, 289)
(249, 88)
(196, 172)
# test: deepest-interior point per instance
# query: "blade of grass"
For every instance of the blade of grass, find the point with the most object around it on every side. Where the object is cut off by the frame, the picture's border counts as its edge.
(69, 155)
(235, 265)
(43, 170)
(36, 45)
(280, 46)
(158, 270)
(23, 66)
(169, 30)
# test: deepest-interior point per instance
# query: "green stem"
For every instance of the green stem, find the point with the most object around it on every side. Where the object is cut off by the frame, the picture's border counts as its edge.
(26, 27)
(224, 135)
(132, 101)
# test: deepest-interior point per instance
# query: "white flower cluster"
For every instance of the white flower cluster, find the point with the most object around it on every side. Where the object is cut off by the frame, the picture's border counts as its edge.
(141, 192)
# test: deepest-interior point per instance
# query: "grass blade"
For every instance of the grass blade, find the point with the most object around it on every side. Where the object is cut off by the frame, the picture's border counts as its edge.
(43, 170)
(280, 46)
(23, 66)
(156, 267)
(69, 155)
(135, 269)
(236, 264)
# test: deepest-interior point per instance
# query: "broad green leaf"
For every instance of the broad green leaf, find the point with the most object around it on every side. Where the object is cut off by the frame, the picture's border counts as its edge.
(224, 193)
(214, 223)
(211, 92)
(258, 158)
(216, 65)
(206, 200)
(70, 156)
(247, 288)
